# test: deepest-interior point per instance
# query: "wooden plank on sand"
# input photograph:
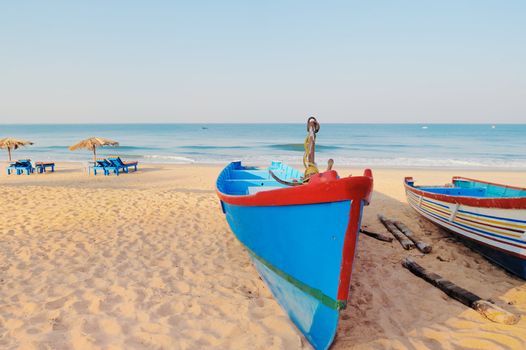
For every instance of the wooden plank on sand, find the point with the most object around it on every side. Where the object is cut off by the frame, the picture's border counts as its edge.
(376, 235)
(390, 226)
(484, 307)
(421, 245)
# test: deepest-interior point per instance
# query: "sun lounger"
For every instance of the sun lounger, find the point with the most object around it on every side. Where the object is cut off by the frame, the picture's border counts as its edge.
(112, 164)
(118, 163)
(42, 166)
(20, 166)
(105, 166)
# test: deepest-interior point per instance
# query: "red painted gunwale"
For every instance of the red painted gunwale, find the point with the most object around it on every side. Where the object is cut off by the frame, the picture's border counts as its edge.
(349, 188)
(498, 203)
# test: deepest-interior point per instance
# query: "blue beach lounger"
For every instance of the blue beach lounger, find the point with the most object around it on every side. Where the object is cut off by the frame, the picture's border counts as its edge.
(42, 166)
(118, 163)
(20, 166)
(105, 166)
(114, 164)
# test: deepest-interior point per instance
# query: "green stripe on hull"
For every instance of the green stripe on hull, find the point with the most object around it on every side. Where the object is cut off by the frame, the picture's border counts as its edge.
(313, 292)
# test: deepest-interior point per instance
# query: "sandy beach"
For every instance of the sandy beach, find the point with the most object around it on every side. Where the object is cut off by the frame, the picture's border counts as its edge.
(146, 260)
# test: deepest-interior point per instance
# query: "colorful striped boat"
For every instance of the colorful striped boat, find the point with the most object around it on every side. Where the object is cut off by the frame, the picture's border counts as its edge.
(302, 239)
(490, 217)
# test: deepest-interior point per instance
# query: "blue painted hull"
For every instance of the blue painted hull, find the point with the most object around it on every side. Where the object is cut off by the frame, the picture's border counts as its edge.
(317, 321)
(299, 255)
(303, 249)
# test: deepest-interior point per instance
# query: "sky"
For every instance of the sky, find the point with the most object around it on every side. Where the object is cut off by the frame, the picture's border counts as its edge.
(373, 61)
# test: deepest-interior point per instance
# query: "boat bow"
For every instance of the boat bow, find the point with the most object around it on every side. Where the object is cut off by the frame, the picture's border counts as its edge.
(302, 239)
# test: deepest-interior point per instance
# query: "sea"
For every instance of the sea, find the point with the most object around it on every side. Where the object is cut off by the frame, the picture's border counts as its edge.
(461, 146)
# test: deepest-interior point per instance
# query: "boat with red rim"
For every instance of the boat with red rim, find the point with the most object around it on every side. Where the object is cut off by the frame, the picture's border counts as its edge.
(489, 217)
(302, 239)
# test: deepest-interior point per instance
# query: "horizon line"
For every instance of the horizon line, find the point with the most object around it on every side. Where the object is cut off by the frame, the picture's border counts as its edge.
(255, 123)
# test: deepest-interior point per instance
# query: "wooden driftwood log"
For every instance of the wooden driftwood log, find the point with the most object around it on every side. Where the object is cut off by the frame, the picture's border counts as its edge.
(422, 246)
(377, 236)
(484, 307)
(390, 226)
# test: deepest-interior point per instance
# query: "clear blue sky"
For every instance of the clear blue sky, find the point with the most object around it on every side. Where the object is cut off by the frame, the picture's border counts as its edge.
(263, 61)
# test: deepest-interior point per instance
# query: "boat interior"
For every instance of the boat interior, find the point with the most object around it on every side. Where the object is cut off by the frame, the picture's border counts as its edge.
(241, 180)
(468, 188)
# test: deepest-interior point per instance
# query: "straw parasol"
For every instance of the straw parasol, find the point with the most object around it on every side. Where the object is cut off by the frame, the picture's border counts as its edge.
(92, 143)
(12, 144)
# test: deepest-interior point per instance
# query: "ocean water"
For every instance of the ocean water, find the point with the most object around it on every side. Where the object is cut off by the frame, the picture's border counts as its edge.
(360, 145)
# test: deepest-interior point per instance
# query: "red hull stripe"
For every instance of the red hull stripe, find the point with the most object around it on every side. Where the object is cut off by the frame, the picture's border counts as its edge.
(493, 217)
(436, 210)
(476, 214)
(460, 227)
(478, 241)
(501, 203)
(349, 249)
(470, 220)
(485, 234)
(489, 225)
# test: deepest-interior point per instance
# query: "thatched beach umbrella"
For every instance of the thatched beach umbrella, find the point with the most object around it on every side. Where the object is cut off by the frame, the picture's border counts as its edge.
(12, 144)
(92, 143)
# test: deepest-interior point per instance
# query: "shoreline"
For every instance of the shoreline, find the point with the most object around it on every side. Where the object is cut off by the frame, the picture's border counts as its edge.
(82, 164)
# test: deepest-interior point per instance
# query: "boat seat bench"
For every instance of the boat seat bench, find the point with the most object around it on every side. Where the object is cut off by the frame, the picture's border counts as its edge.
(254, 174)
(256, 189)
(242, 187)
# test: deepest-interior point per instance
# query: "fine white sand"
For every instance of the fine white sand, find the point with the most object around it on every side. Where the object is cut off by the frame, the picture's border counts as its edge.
(146, 260)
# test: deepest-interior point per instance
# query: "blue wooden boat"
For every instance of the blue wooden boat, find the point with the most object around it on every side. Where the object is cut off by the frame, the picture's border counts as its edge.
(302, 239)
(489, 217)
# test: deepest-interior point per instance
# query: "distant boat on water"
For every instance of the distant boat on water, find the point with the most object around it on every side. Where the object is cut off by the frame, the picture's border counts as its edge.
(424, 127)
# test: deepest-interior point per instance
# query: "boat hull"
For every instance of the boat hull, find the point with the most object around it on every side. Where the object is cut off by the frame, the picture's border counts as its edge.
(299, 255)
(498, 233)
(303, 249)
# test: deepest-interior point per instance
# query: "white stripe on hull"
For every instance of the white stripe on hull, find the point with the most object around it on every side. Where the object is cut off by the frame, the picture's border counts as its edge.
(504, 229)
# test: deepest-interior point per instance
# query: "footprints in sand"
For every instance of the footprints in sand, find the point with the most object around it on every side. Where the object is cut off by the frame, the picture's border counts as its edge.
(55, 304)
(390, 308)
(108, 273)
